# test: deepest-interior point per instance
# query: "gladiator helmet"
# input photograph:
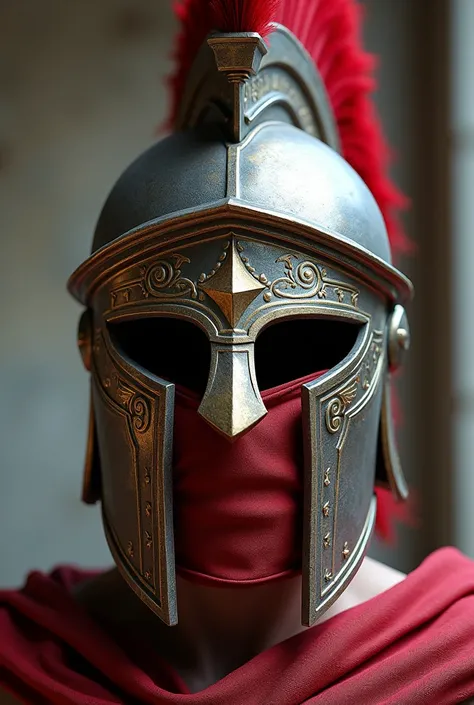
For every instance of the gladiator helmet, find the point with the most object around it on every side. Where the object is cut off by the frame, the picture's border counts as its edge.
(247, 248)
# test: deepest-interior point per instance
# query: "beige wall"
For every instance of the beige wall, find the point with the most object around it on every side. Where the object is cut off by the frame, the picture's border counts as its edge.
(80, 96)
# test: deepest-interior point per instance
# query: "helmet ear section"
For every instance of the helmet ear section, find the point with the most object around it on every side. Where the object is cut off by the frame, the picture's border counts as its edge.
(84, 338)
(389, 472)
(91, 487)
(92, 484)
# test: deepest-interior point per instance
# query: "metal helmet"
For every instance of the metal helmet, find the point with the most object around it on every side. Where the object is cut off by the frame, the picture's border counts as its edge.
(246, 216)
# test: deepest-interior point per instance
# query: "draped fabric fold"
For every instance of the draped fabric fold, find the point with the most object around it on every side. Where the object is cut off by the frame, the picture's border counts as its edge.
(238, 506)
(412, 644)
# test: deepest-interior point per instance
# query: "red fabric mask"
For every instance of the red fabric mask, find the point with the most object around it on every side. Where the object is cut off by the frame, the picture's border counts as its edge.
(238, 505)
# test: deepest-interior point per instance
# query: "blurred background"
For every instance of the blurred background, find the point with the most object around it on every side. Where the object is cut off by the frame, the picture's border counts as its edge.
(81, 93)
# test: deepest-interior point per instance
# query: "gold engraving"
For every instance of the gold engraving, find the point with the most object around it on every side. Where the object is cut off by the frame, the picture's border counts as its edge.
(306, 276)
(272, 84)
(370, 365)
(232, 287)
(149, 540)
(234, 282)
(310, 278)
(130, 549)
(136, 405)
(148, 576)
(326, 509)
(338, 405)
(163, 279)
(148, 509)
(340, 294)
(327, 480)
(322, 293)
(327, 540)
(124, 392)
(345, 551)
(147, 478)
(140, 413)
(328, 575)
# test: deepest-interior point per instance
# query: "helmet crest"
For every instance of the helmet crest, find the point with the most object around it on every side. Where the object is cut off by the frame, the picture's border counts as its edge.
(330, 32)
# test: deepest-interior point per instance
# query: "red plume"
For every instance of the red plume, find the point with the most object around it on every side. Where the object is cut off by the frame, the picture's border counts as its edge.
(243, 15)
(331, 32)
(390, 512)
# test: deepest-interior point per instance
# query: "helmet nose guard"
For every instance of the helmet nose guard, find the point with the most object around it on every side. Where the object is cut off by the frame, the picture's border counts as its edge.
(232, 403)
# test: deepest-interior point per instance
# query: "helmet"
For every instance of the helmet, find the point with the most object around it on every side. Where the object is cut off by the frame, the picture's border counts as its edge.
(245, 224)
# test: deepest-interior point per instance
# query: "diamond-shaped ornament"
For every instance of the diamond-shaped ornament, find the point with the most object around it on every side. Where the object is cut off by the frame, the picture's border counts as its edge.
(232, 287)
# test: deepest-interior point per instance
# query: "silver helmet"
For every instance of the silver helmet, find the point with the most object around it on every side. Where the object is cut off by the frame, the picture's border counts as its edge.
(244, 219)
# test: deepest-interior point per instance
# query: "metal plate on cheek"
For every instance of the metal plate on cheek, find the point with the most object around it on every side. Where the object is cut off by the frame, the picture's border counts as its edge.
(134, 416)
(340, 422)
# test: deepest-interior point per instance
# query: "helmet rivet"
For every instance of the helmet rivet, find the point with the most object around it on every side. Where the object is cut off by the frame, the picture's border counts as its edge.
(398, 337)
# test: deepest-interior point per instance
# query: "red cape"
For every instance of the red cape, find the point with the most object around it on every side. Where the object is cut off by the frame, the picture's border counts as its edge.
(413, 644)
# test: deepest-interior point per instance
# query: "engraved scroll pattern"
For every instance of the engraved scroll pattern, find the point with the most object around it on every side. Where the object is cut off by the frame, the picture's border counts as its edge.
(300, 280)
(339, 404)
(275, 82)
(137, 406)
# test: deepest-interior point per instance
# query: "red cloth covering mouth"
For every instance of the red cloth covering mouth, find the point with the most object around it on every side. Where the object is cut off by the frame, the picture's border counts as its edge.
(238, 506)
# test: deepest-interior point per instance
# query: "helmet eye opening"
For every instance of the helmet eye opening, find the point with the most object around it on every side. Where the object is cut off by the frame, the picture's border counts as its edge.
(293, 348)
(171, 348)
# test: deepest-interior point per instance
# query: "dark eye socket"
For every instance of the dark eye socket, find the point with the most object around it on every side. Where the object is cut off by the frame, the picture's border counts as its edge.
(180, 352)
(295, 348)
(171, 348)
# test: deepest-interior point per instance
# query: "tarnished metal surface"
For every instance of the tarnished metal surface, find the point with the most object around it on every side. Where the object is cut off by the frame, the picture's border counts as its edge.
(277, 169)
(389, 469)
(133, 411)
(233, 286)
(341, 412)
(238, 56)
(286, 88)
(234, 236)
